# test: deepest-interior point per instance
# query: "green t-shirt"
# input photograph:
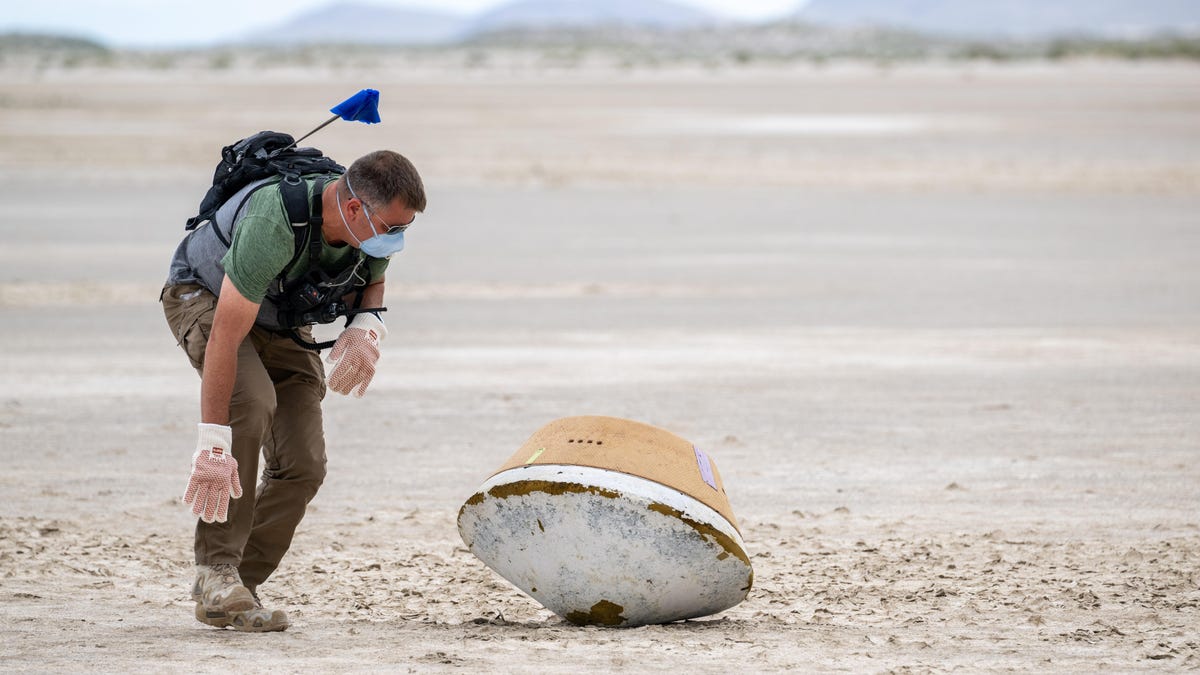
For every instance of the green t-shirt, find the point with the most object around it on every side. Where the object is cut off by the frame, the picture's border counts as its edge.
(263, 244)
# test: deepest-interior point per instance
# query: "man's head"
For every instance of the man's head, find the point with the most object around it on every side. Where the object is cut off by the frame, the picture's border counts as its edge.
(383, 176)
(379, 196)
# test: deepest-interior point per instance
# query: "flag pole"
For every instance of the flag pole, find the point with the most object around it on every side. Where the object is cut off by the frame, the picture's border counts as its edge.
(361, 107)
(323, 125)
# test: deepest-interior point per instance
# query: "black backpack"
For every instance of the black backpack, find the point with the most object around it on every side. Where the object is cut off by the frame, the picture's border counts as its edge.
(263, 155)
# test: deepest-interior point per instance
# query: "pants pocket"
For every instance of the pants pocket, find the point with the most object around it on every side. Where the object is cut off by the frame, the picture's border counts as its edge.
(195, 340)
(189, 311)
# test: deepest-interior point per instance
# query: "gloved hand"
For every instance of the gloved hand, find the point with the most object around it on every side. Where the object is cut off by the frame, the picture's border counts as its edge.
(354, 355)
(214, 474)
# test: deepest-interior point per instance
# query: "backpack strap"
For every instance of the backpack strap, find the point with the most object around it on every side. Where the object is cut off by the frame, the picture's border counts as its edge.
(295, 200)
(306, 223)
(315, 222)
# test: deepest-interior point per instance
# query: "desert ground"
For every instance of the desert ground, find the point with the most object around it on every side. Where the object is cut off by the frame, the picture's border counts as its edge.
(937, 324)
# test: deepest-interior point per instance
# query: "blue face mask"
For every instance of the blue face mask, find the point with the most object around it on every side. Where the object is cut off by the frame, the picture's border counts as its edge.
(378, 246)
(382, 245)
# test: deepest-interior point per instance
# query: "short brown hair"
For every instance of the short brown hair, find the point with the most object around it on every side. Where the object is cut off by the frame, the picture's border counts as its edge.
(383, 176)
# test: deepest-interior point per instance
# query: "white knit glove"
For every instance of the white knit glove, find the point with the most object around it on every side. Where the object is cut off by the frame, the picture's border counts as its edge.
(214, 474)
(354, 355)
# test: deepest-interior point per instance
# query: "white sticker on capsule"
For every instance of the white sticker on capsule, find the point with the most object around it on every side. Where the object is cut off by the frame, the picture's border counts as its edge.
(705, 467)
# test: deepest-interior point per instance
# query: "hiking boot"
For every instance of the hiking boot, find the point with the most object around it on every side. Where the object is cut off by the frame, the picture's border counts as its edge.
(253, 620)
(219, 593)
(257, 620)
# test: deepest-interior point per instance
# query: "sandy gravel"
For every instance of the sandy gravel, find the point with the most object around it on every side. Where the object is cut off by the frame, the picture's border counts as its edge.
(938, 326)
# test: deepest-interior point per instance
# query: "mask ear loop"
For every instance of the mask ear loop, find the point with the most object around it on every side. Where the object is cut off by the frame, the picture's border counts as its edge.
(346, 223)
(345, 275)
(360, 278)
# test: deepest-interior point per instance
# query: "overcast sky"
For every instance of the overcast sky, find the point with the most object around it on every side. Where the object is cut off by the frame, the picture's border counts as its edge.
(175, 22)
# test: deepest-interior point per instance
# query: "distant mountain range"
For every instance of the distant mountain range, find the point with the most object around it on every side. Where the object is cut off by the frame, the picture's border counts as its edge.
(352, 22)
(550, 14)
(355, 23)
(1012, 18)
(362, 23)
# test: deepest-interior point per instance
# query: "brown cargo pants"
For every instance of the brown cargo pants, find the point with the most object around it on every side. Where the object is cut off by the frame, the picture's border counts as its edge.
(275, 408)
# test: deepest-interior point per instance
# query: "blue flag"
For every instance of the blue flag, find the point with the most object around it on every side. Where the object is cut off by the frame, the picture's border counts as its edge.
(361, 107)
